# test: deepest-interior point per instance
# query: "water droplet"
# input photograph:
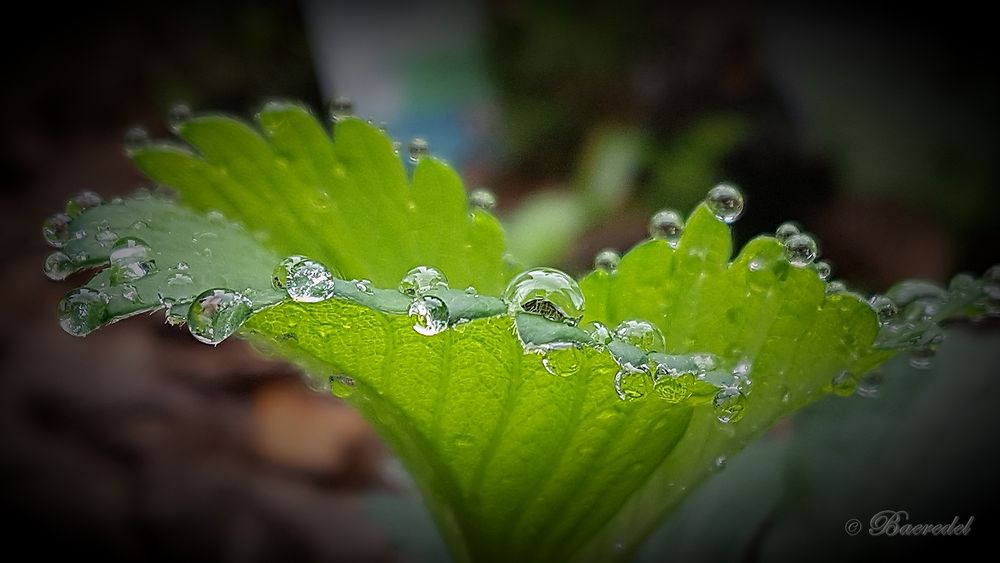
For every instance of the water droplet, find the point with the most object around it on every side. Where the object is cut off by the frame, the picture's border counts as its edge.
(546, 292)
(422, 279)
(136, 138)
(178, 115)
(83, 310)
(106, 236)
(130, 293)
(870, 386)
(179, 278)
(844, 383)
(725, 201)
(667, 225)
(884, 307)
(130, 260)
(305, 280)
(607, 261)
(418, 148)
(55, 229)
(641, 334)
(341, 107)
(823, 269)
(471, 291)
(430, 314)
(673, 387)
(58, 266)
(800, 250)
(482, 198)
(216, 314)
(562, 361)
(729, 405)
(139, 225)
(599, 333)
(181, 266)
(364, 286)
(342, 386)
(632, 383)
(785, 231)
(720, 462)
(834, 287)
(81, 202)
(213, 216)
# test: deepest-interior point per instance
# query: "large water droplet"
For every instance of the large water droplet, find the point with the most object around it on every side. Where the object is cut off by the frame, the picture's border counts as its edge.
(632, 383)
(641, 334)
(83, 310)
(667, 225)
(823, 269)
(422, 279)
(55, 229)
(430, 315)
(482, 198)
(885, 308)
(800, 250)
(418, 148)
(58, 266)
(546, 292)
(81, 202)
(216, 314)
(607, 261)
(130, 260)
(305, 280)
(725, 201)
(178, 115)
(786, 231)
(600, 333)
(729, 405)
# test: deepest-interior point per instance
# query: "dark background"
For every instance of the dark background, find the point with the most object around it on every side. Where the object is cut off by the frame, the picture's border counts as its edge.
(878, 130)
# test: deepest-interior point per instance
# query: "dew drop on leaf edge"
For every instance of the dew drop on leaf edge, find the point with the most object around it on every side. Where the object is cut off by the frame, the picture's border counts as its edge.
(641, 334)
(666, 224)
(547, 292)
(216, 314)
(430, 315)
(83, 310)
(726, 202)
(422, 279)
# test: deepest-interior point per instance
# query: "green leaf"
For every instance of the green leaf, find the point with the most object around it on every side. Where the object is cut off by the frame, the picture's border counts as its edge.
(516, 463)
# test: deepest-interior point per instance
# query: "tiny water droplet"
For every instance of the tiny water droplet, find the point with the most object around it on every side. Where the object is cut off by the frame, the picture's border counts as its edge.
(179, 278)
(884, 307)
(130, 293)
(81, 202)
(106, 236)
(130, 260)
(870, 386)
(483, 198)
(720, 462)
(55, 229)
(632, 383)
(341, 107)
(216, 314)
(430, 314)
(823, 269)
(545, 292)
(641, 334)
(136, 138)
(83, 310)
(471, 291)
(305, 280)
(562, 361)
(422, 279)
(786, 230)
(182, 266)
(342, 386)
(463, 441)
(215, 217)
(729, 404)
(58, 266)
(418, 148)
(668, 225)
(607, 261)
(834, 287)
(364, 286)
(800, 250)
(844, 383)
(139, 225)
(600, 333)
(178, 115)
(726, 202)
